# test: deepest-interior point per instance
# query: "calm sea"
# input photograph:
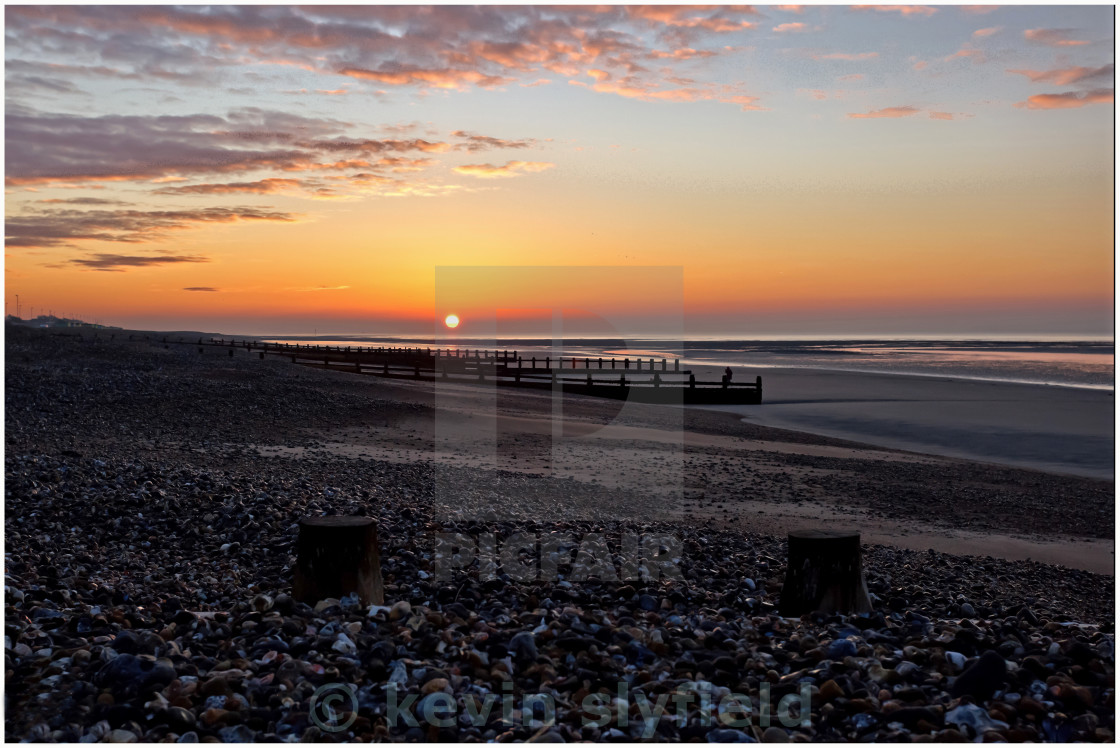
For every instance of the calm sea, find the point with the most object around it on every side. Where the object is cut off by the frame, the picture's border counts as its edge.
(1061, 363)
(1064, 363)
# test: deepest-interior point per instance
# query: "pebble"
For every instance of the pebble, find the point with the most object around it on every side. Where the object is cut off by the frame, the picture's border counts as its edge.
(125, 619)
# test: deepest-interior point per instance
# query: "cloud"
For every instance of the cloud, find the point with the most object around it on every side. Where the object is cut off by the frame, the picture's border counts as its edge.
(1069, 100)
(848, 56)
(112, 263)
(632, 87)
(1067, 76)
(261, 187)
(474, 142)
(319, 288)
(425, 49)
(57, 149)
(1052, 37)
(446, 78)
(207, 289)
(906, 10)
(968, 52)
(940, 115)
(790, 27)
(510, 169)
(63, 227)
(851, 77)
(889, 112)
(981, 33)
(799, 9)
(82, 201)
(978, 10)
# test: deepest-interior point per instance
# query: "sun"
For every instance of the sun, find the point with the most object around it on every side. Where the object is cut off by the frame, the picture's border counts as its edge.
(451, 320)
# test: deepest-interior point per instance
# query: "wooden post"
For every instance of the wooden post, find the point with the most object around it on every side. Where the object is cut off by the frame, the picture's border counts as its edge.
(824, 573)
(663, 365)
(335, 557)
(692, 381)
(758, 384)
(676, 364)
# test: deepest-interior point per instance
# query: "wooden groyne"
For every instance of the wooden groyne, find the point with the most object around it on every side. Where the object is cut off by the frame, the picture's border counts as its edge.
(647, 380)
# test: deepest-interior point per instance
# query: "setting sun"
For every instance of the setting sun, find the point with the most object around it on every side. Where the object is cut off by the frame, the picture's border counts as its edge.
(451, 321)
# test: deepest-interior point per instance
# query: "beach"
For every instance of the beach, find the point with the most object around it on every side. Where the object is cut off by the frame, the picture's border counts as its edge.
(153, 496)
(1051, 428)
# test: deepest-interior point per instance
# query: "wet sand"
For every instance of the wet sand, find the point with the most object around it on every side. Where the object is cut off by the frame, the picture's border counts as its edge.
(1056, 429)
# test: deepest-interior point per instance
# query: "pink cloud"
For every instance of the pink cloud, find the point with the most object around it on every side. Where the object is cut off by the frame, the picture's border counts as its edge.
(940, 115)
(791, 8)
(978, 10)
(967, 52)
(1052, 37)
(888, 113)
(510, 169)
(783, 28)
(906, 10)
(981, 33)
(1069, 100)
(1066, 76)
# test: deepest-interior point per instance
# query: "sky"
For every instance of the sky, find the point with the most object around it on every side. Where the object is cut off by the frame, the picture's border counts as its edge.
(797, 169)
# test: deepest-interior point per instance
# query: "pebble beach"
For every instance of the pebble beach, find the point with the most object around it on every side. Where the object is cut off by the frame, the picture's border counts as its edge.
(153, 495)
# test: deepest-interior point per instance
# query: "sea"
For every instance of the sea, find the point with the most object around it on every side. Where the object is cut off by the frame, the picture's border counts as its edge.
(1085, 363)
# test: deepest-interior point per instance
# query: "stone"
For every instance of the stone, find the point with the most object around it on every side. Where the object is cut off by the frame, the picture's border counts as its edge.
(838, 649)
(121, 736)
(401, 609)
(727, 735)
(981, 679)
(775, 735)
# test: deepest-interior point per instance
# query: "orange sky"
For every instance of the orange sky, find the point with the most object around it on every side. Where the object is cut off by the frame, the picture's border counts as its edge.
(824, 167)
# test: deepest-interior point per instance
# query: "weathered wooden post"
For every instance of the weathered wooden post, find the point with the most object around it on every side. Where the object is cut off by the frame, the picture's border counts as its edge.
(337, 556)
(664, 365)
(548, 362)
(627, 363)
(758, 384)
(533, 362)
(692, 381)
(656, 379)
(824, 573)
(600, 363)
(676, 364)
(589, 379)
(612, 363)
